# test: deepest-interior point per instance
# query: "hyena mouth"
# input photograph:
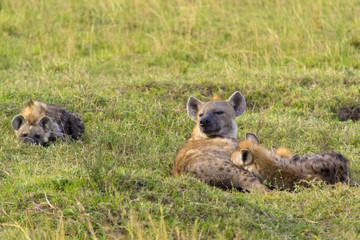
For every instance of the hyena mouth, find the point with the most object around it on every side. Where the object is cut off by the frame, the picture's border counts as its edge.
(210, 131)
(30, 141)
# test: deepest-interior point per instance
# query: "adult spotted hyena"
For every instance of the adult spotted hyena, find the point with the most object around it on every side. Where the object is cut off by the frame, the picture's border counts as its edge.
(40, 123)
(285, 172)
(207, 153)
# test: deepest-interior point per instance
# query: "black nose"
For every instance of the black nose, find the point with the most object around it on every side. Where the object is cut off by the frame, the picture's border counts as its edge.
(35, 141)
(205, 122)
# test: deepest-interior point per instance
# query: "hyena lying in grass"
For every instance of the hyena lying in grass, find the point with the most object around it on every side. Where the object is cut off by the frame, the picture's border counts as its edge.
(287, 170)
(41, 123)
(206, 155)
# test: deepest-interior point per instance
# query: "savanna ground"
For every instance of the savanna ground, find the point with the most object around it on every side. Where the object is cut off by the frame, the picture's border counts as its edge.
(128, 67)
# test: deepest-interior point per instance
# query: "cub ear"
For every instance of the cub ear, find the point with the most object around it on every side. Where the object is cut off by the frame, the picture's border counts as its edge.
(46, 124)
(237, 101)
(17, 122)
(193, 106)
(273, 149)
(252, 137)
(242, 158)
(296, 157)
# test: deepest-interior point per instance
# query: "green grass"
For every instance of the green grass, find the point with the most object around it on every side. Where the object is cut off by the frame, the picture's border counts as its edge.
(128, 67)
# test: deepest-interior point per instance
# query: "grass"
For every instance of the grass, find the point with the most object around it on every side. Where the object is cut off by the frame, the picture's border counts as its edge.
(128, 67)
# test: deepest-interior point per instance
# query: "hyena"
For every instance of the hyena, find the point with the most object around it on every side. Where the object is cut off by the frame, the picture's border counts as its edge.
(40, 123)
(206, 155)
(282, 152)
(285, 172)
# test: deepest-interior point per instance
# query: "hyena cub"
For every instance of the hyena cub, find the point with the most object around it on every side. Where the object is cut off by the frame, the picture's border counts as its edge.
(206, 155)
(285, 172)
(282, 152)
(40, 123)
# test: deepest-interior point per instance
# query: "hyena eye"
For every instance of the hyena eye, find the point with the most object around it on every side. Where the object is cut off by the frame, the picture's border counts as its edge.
(37, 135)
(201, 114)
(219, 112)
(24, 135)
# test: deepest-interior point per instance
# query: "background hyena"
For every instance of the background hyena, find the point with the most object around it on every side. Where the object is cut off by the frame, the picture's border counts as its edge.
(331, 167)
(42, 123)
(207, 153)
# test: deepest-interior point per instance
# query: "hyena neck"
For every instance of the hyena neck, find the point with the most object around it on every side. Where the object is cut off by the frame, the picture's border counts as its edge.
(197, 134)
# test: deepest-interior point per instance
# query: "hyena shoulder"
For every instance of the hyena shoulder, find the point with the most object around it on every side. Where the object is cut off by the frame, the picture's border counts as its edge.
(203, 150)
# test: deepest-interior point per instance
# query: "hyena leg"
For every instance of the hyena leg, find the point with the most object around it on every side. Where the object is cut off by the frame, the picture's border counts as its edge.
(223, 173)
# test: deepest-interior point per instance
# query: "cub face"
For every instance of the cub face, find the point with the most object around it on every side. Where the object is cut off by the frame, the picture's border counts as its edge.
(35, 133)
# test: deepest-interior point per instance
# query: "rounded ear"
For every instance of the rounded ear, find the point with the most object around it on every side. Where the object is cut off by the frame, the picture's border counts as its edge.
(237, 101)
(192, 107)
(246, 156)
(273, 149)
(296, 157)
(241, 158)
(17, 122)
(46, 124)
(252, 137)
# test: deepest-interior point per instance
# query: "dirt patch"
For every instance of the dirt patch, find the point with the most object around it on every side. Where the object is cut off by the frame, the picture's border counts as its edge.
(347, 113)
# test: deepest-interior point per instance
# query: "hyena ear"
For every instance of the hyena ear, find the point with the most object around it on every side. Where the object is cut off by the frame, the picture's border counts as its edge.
(273, 149)
(193, 106)
(241, 158)
(46, 124)
(252, 137)
(17, 122)
(237, 101)
(296, 157)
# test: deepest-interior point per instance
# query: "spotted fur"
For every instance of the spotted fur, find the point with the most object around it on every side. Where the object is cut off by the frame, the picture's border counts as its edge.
(41, 123)
(280, 172)
(206, 155)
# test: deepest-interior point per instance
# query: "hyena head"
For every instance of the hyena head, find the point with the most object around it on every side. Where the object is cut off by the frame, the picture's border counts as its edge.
(34, 133)
(247, 152)
(282, 152)
(216, 118)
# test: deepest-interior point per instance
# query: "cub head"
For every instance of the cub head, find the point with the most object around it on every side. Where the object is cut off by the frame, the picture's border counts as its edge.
(216, 118)
(243, 155)
(282, 152)
(33, 133)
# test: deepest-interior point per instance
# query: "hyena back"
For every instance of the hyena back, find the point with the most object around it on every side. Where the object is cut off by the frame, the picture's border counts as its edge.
(285, 172)
(206, 155)
(41, 123)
